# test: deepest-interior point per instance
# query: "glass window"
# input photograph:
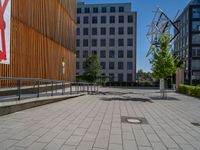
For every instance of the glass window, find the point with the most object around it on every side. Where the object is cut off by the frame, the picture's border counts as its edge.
(94, 52)
(130, 30)
(129, 65)
(129, 42)
(120, 30)
(78, 20)
(112, 9)
(94, 20)
(111, 65)
(87, 10)
(85, 54)
(196, 26)
(77, 65)
(195, 64)
(85, 31)
(196, 12)
(94, 42)
(121, 9)
(112, 19)
(112, 76)
(121, 19)
(85, 42)
(130, 19)
(195, 38)
(111, 42)
(78, 31)
(103, 31)
(103, 19)
(102, 54)
(120, 77)
(94, 31)
(120, 42)
(77, 54)
(95, 10)
(129, 77)
(103, 10)
(129, 54)
(120, 54)
(78, 10)
(77, 43)
(103, 65)
(120, 65)
(196, 52)
(112, 31)
(103, 42)
(85, 20)
(111, 54)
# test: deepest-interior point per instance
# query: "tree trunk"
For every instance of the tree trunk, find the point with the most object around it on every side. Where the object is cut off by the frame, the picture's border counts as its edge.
(162, 88)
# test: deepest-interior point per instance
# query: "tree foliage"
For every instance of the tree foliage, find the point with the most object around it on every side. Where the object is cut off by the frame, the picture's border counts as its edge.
(92, 68)
(162, 60)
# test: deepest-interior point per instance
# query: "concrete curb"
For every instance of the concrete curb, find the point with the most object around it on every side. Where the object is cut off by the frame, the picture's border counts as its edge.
(15, 106)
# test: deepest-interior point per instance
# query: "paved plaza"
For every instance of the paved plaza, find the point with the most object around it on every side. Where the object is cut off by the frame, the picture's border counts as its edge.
(93, 122)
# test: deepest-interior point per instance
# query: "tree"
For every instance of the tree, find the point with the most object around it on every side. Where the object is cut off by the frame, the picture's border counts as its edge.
(162, 61)
(92, 68)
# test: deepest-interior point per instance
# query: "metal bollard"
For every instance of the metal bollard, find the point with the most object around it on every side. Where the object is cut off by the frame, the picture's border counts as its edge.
(19, 89)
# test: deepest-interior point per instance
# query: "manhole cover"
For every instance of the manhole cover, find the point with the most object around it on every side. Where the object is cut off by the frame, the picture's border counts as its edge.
(133, 120)
(195, 124)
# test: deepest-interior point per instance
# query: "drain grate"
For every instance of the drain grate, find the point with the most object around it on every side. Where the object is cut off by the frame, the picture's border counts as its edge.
(134, 120)
(195, 124)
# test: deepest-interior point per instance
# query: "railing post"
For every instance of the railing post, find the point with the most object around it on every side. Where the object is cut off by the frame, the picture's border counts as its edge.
(51, 88)
(38, 88)
(62, 88)
(19, 89)
(87, 89)
(71, 88)
(46, 88)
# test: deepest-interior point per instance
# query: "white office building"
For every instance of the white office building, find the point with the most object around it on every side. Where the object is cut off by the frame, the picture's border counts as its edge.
(109, 31)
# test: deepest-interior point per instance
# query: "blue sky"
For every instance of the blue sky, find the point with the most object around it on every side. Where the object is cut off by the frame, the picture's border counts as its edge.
(144, 9)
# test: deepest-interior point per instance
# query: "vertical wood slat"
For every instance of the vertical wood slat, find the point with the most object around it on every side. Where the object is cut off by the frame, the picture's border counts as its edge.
(42, 33)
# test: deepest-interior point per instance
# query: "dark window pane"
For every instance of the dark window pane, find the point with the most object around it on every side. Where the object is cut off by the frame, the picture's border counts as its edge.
(111, 42)
(111, 54)
(112, 9)
(111, 65)
(94, 31)
(77, 43)
(121, 54)
(120, 42)
(87, 10)
(129, 54)
(103, 31)
(130, 30)
(112, 19)
(103, 54)
(120, 77)
(85, 54)
(85, 42)
(121, 9)
(78, 20)
(85, 31)
(94, 20)
(129, 77)
(129, 65)
(112, 31)
(120, 65)
(103, 65)
(103, 10)
(103, 19)
(78, 10)
(130, 19)
(77, 65)
(94, 42)
(121, 19)
(130, 42)
(120, 30)
(103, 42)
(95, 10)
(85, 20)
(77, 54)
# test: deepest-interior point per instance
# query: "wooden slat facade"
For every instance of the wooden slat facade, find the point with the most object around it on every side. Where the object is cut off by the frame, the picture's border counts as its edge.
(43, 33)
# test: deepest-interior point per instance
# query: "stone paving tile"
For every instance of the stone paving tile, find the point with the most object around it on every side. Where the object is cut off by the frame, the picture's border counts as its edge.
(90, 123)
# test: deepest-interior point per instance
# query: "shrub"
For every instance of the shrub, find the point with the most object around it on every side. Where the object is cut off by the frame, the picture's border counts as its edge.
(189, 90)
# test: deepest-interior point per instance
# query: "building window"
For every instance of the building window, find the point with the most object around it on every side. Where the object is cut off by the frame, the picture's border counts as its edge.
(129, 42)
(120, 54)
(111, 54)
(78, 10)
(85, 20)
(120, 30)
(120, 42)
(77, 65)
(94, 20)
(94, 42)
(120, 77)
(94, 31)
(111, 65)
(103, 31)
(78, 43)
(195, 38)
(103, 19)
(112, 77)
(77, 54)
(129, 65)
(112, 19)
(95, 10)
(129, 54)
(129, 77)
(85, 31)
(85, 42)
(103, 65)
(112, 31)
(130, 30)
(111, 42)
(120, 65)
(196, 52)
(112, 9)
(78, 20)
(121, 19)
(121, 9)
(85, 54)
(78, 31)
(103, 42)
(196, 13)
(130, 19)
(87, 10)
(195, 64)
(102, 54)
(196, 26)
(103, 9)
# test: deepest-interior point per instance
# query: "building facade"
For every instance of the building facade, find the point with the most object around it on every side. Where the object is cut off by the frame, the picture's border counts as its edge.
(43, 36)
(108, 31)
(187, 44)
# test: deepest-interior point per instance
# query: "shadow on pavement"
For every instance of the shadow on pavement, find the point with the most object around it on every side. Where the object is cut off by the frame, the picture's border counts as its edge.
(168, 98)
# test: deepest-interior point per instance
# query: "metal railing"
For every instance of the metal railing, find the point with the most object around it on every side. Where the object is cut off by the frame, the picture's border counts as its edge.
(52, 86)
